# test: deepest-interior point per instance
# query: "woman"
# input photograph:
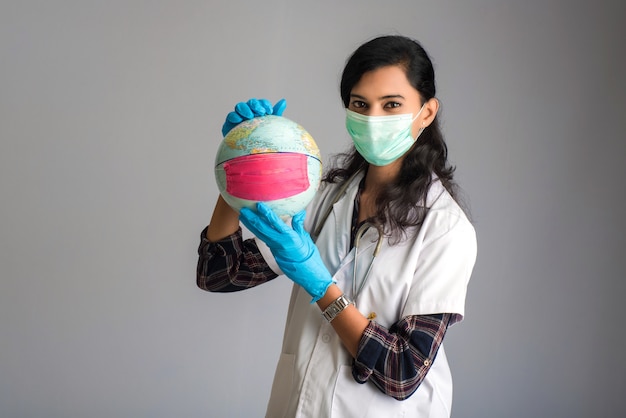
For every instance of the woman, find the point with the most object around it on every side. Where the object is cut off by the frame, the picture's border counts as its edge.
(371, 344)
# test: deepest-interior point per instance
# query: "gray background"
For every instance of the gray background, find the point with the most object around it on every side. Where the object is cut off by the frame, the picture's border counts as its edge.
(110, 113)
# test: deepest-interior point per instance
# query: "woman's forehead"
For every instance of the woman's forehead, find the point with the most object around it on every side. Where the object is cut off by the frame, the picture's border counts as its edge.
(384, 83)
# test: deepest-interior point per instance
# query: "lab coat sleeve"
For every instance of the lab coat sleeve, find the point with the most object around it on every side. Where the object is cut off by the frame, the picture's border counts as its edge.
(445, 265)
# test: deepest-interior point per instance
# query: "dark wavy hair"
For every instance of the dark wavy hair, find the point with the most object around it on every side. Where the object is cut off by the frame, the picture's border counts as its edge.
(401, 204)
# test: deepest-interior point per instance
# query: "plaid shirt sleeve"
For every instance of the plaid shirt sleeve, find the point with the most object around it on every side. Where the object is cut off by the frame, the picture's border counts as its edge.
(397, 360)
(230, 264)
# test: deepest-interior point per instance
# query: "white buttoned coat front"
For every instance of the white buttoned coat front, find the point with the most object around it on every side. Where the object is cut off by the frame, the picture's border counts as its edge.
(424, 274)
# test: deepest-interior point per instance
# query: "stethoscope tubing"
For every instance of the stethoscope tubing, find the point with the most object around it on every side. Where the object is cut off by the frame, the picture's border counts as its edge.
(357, 238)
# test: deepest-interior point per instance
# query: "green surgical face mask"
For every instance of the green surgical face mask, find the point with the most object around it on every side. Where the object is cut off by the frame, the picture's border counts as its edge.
(381, 139)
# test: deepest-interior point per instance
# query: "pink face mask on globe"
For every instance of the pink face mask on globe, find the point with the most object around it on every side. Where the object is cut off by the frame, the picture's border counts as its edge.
(266, 177)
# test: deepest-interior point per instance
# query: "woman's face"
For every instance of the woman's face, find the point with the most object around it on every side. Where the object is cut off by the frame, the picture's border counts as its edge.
(386, 91)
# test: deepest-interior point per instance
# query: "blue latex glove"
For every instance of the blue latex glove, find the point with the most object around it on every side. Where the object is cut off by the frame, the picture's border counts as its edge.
(292, 247)
(251, 109)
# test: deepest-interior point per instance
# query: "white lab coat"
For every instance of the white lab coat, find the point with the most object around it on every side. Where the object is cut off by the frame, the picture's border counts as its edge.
(427, 273)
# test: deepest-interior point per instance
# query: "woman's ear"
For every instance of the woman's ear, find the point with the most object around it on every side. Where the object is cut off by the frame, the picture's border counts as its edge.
(431, 107)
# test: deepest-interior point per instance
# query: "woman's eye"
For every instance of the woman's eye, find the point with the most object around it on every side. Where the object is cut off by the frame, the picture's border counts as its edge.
(392, 105)
(358, 104)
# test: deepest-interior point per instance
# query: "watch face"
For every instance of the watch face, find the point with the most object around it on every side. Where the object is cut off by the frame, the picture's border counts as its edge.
(335, 308)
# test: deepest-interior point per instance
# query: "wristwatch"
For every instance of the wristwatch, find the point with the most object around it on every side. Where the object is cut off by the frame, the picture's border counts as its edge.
(336, 307)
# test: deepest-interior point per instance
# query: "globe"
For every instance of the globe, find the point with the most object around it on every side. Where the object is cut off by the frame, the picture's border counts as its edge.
(268, 159)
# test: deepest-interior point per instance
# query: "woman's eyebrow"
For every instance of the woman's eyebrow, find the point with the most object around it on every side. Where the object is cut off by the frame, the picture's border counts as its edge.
(392, 96)
(387, 97)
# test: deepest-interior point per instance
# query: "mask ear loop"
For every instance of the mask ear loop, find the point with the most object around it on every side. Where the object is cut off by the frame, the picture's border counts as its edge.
(423, 123)
(419, 113)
